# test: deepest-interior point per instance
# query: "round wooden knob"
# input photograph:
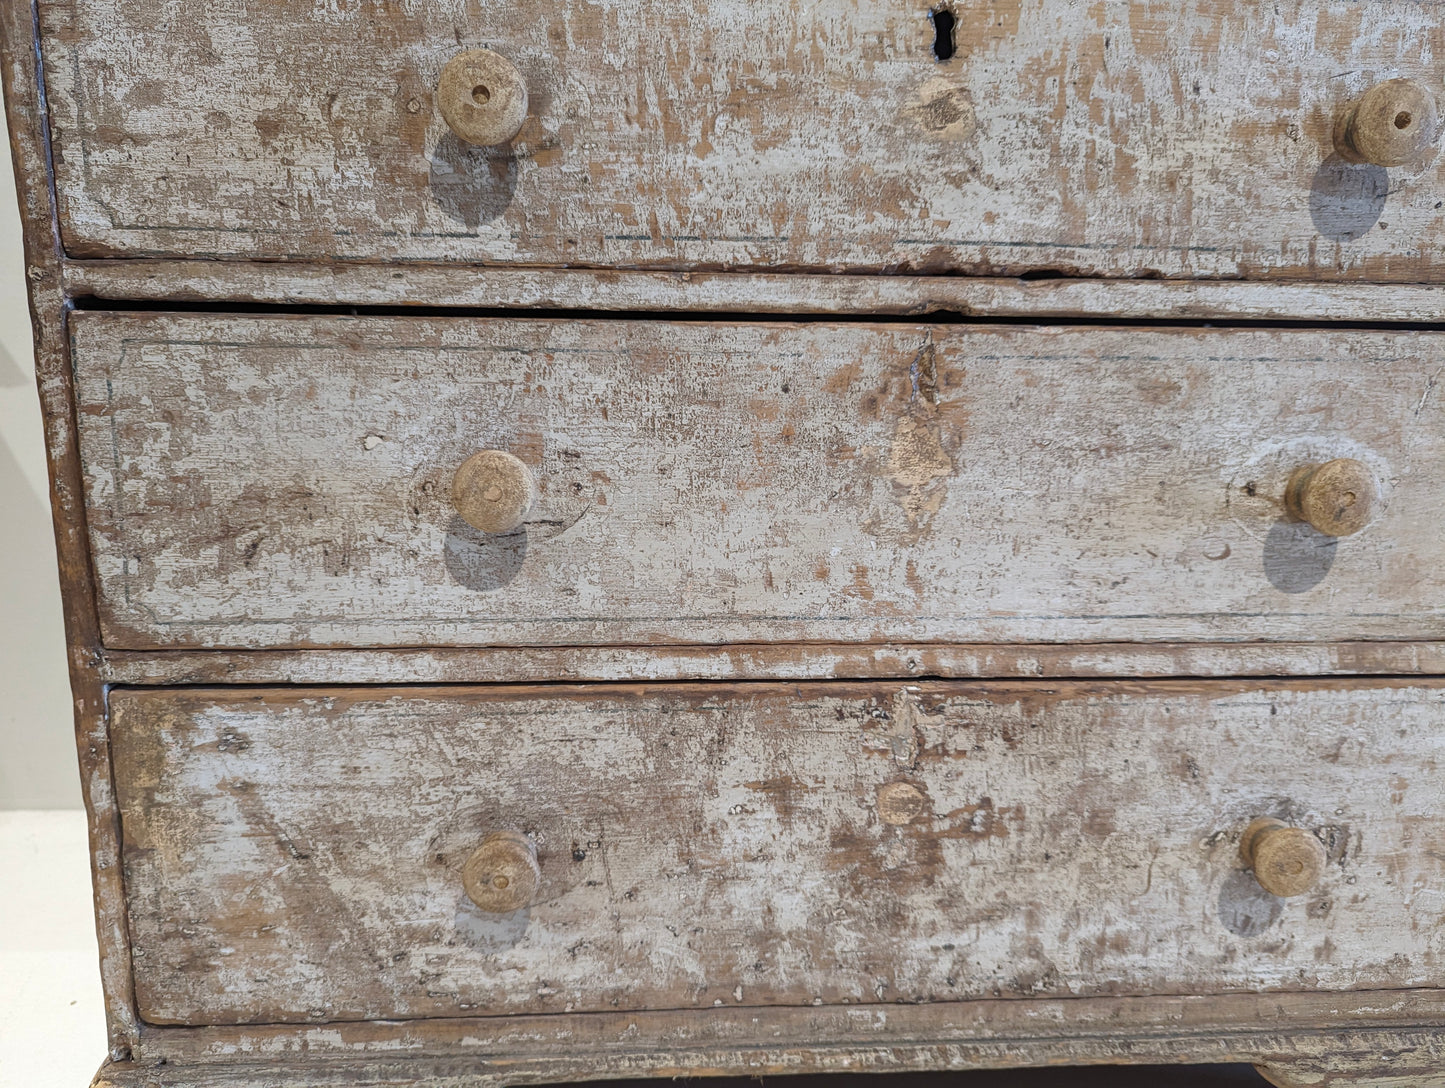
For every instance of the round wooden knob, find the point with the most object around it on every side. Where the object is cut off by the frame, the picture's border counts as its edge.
(502, 874)
(493, 491)
(1286, 860)
(1338, 498)
(1392, 123)
(483, 97)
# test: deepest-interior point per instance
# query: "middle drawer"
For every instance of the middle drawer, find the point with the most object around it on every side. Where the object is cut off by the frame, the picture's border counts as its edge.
(287, 481)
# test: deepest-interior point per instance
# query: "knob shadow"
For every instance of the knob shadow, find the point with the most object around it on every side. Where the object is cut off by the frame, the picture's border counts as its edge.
(1297, 557)
(489, 933)
(472, 184)
(483, 561)
(1246, 909)
(1347, 199)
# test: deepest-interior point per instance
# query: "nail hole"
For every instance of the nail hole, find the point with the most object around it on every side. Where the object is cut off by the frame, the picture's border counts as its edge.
(943, 24)
(500, 882)
(481, 94)
(1403, 119)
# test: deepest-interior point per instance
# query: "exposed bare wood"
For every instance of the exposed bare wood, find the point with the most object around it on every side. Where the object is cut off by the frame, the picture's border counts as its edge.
(1410, 1062)
(1286, 861)
(1339, 498)
(1186, 139)
(1395, 122)
(355, 284)
(483, 98)
(493, 491)
(296, 855)
(766, 662)
(25, 109)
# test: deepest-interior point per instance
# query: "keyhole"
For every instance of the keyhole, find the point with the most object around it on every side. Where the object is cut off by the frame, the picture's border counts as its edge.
(943, 24)
(481, 95)
(1403, 119)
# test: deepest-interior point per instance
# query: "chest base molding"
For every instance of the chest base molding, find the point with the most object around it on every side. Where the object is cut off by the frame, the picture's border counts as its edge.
(792, 1041)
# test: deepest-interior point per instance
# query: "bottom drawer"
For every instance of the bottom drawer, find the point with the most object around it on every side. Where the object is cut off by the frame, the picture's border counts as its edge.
(306, 855)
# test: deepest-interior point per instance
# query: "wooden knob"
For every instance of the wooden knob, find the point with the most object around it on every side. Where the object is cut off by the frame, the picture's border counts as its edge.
(1392, 123)
(502, 874)
(483, 97)
(493, 491)
(1338, 498)
(1286, 860)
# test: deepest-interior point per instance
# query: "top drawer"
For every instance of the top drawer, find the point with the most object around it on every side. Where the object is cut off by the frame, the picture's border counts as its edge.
(1191, 138)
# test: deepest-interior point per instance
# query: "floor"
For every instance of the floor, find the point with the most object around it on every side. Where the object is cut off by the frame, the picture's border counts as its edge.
(52, 1027)
(52, 1024)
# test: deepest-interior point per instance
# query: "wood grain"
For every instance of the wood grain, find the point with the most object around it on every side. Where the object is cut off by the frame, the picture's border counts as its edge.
(1192, 138)
(269, 482)
(295, 855)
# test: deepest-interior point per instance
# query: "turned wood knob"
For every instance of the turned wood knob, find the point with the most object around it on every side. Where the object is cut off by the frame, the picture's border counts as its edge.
(493, 491)
(1392, 123)
(483, 97)
(502, 874)
(1337, 498)
(1286, 860)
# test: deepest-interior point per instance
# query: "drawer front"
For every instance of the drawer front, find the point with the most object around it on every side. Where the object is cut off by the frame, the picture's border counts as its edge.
(1191, 138)
(288, 482)
(303, 854)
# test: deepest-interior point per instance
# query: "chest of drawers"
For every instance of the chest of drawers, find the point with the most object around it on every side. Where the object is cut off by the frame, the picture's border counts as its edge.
(655, 539)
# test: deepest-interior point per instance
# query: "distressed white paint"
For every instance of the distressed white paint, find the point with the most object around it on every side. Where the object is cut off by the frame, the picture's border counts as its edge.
(1119, 138)
(295, 855)
(749, 482)
(746, 135)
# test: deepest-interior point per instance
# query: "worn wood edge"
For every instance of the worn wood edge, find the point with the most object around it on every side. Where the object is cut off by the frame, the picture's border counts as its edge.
(409, 284)
(187, 698)
(773, 662)
(49, 306)
(1357, 1049)
(1419, 1063)
(978, 1022)
(1413, 1067)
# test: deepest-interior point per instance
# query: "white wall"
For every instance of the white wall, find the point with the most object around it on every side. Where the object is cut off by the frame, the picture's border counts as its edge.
(37, 745)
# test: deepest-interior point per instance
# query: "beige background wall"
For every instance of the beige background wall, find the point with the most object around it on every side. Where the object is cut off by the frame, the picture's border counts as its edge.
(37, 755)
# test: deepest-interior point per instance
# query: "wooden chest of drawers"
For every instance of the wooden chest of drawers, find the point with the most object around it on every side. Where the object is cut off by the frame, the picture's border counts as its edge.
(579, 562)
